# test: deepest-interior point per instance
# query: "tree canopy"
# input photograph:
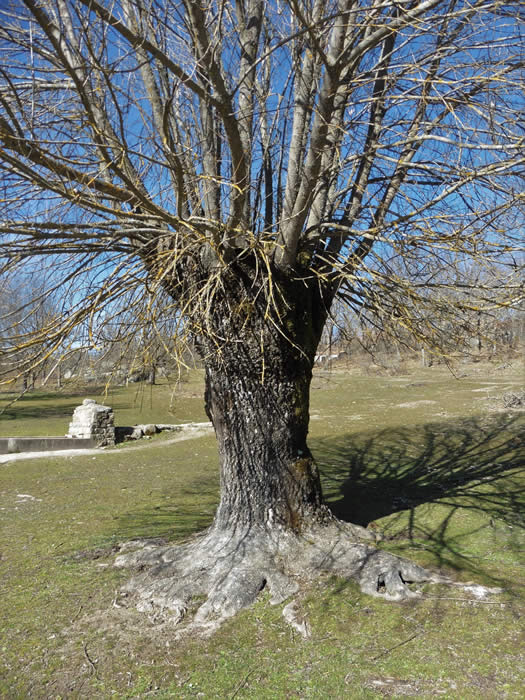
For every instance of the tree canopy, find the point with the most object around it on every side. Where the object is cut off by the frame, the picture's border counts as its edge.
(374, 145)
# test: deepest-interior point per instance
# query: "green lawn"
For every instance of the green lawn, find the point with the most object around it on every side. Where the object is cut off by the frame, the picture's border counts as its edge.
(422, 457)
(46, 412)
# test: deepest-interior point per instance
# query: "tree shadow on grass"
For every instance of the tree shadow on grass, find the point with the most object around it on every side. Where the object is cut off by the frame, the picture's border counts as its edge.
(462, 466)
(41, 404)
(183, 513)
(468, 468)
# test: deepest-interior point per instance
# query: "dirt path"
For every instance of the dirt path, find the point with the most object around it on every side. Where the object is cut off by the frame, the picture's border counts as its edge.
(189, 434)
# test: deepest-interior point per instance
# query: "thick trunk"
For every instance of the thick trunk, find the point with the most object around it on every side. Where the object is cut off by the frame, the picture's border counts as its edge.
(258, 341)
(261, 421)
(257, 396)
(152, 376)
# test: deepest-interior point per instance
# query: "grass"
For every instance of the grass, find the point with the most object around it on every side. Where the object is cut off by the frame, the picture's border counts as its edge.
(44, 412)
(442, 480)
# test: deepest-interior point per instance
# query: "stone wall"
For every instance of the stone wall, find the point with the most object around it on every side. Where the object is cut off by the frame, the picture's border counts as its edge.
(92, 420)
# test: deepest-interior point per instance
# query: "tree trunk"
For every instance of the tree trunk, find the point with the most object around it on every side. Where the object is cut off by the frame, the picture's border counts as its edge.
(271, 527)
(257, 397)
(258, 401)
(152, 376)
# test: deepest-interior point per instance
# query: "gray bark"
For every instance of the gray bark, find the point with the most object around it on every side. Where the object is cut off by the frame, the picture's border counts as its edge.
(257, 397)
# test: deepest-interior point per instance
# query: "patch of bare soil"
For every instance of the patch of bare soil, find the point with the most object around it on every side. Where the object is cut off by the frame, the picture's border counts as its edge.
(396, 687)
(387, 686)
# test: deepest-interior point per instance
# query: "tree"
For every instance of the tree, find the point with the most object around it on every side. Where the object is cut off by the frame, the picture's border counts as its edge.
(254, 161)
(26, 307)
(138, 340)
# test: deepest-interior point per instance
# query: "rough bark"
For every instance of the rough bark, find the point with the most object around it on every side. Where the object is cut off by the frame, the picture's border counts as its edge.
(271, 528)
(231, 570)
(257, 397)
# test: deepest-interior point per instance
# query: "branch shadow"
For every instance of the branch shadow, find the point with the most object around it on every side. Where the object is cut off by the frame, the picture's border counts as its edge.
(469, 467)
(44, 404)
(178, 515)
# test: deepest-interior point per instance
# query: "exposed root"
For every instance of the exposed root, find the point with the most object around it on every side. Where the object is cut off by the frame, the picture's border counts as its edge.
(230, 569)
(292, 617)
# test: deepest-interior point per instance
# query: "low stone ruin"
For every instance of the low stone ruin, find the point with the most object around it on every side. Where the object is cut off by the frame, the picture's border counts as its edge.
(140, 431)
(137, 432)
(92, 420)
(92, 425)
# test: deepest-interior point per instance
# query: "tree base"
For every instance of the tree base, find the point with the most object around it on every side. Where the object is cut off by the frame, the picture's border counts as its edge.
(231, 569)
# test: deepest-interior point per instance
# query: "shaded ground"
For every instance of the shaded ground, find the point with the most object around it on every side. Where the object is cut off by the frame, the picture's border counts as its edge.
(384, 472)
(417, 483)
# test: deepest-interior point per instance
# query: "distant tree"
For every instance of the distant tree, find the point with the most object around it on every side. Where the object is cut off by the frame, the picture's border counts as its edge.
(27, 308)
(140, 338)
(254, 161)
(480, 325)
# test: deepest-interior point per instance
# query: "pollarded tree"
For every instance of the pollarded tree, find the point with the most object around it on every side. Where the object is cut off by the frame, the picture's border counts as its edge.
(255, 160)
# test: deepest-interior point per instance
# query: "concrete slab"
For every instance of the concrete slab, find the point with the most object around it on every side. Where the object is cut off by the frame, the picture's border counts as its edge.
(14, 445)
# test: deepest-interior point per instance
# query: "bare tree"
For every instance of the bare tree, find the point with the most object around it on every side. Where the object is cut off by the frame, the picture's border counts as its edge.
(27, 307)
(255, 160)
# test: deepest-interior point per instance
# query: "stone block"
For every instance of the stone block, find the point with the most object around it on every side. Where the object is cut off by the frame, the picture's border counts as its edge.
(93, 420)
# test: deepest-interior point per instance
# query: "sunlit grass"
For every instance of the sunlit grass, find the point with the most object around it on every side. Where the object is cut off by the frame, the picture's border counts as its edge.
(442, 480)
(46, 412)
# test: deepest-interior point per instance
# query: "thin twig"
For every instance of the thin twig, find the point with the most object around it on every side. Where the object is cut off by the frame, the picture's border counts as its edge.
(77, 613)
(90, 660)
(241, 684)
(405, 641)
